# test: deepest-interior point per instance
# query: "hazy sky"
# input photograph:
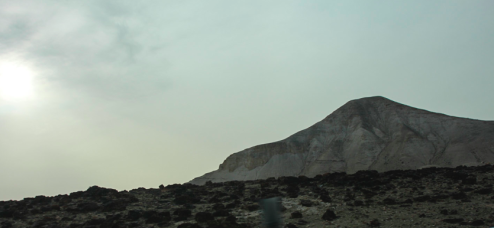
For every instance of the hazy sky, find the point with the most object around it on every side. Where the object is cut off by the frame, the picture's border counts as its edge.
(127, 94)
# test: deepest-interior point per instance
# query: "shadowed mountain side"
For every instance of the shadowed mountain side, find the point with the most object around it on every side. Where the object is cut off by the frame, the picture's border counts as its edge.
(372, 133)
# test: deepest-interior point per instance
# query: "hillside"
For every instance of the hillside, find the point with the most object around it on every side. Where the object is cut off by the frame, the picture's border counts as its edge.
(371, 133)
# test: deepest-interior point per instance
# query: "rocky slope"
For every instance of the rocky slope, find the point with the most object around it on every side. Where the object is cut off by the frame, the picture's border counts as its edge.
(431, 197)
(372, 133)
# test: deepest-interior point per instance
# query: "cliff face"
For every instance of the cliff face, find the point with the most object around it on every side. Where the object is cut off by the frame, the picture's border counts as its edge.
(372, 133)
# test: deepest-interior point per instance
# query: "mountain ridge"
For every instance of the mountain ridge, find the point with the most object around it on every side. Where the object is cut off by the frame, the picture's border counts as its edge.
(372, 133)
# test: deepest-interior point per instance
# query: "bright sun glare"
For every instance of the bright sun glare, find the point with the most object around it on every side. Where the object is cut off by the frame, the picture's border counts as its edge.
(15, 81)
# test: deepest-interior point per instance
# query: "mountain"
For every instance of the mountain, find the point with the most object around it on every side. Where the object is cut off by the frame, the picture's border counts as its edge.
(371, 133)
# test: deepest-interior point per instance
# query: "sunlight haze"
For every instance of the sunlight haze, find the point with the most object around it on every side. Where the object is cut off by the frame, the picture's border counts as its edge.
(15, 81)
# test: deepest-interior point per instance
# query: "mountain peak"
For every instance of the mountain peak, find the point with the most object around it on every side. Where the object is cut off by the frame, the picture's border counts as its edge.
(372, 101)
(366, 108)
(372, 98)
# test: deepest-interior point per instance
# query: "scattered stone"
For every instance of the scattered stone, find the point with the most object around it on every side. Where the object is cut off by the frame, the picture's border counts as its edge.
(434, 195)
(182, 212)
(156, 217)
(218, 206)
(484, 191)
(231, 219)
(252, 207)
(325, 198)
(389, 201)
(114, 205)
(374, 223)
(189, 225)
(358, 203)
(96, 221)
(329, 215)
(290, 225)
(454, 220)
(459, 195)
(221, 213)
(422, 198)
(476, 223)
(296, 214)
(134, 215)
(469, 180)
(6, 224)
(87, 207)
(306, 203)
(204, 217)
(302, 222)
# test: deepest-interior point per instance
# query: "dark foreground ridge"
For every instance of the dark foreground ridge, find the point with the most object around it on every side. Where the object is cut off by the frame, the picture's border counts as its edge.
(431, 197)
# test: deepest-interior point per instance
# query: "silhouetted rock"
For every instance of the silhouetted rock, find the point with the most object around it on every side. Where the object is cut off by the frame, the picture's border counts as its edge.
(358, 203)
(252, 207)
(459, 195)
(389, 201)
(469, 181)
(484, 191)
(134, 215)
(476, 223)
(290, 225)
(221, 213)
(329, 215)
(203, 217)
(156, 217)
(183, 212)
(374, 223)
(115, 205)
(218, 206)
(6, 224)
(85, 207)
(189, 225)
(453, 220)
(296, 214)
(306, 203)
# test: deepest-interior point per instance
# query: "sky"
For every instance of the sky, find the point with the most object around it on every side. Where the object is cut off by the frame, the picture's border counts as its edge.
(128, 94)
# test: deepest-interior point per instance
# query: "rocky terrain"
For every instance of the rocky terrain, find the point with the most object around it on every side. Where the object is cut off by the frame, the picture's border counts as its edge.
(371, 133)
(429, 197)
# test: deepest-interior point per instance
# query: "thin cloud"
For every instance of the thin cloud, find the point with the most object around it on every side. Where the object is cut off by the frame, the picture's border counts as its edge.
(94, 52)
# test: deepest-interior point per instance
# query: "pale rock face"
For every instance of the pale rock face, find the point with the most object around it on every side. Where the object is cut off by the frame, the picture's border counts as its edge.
(372, 133)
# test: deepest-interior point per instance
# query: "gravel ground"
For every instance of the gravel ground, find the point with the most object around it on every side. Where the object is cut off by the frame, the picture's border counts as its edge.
(432, 197)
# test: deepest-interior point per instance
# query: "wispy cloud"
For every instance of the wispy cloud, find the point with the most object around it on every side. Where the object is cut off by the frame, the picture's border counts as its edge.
(90, 47)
